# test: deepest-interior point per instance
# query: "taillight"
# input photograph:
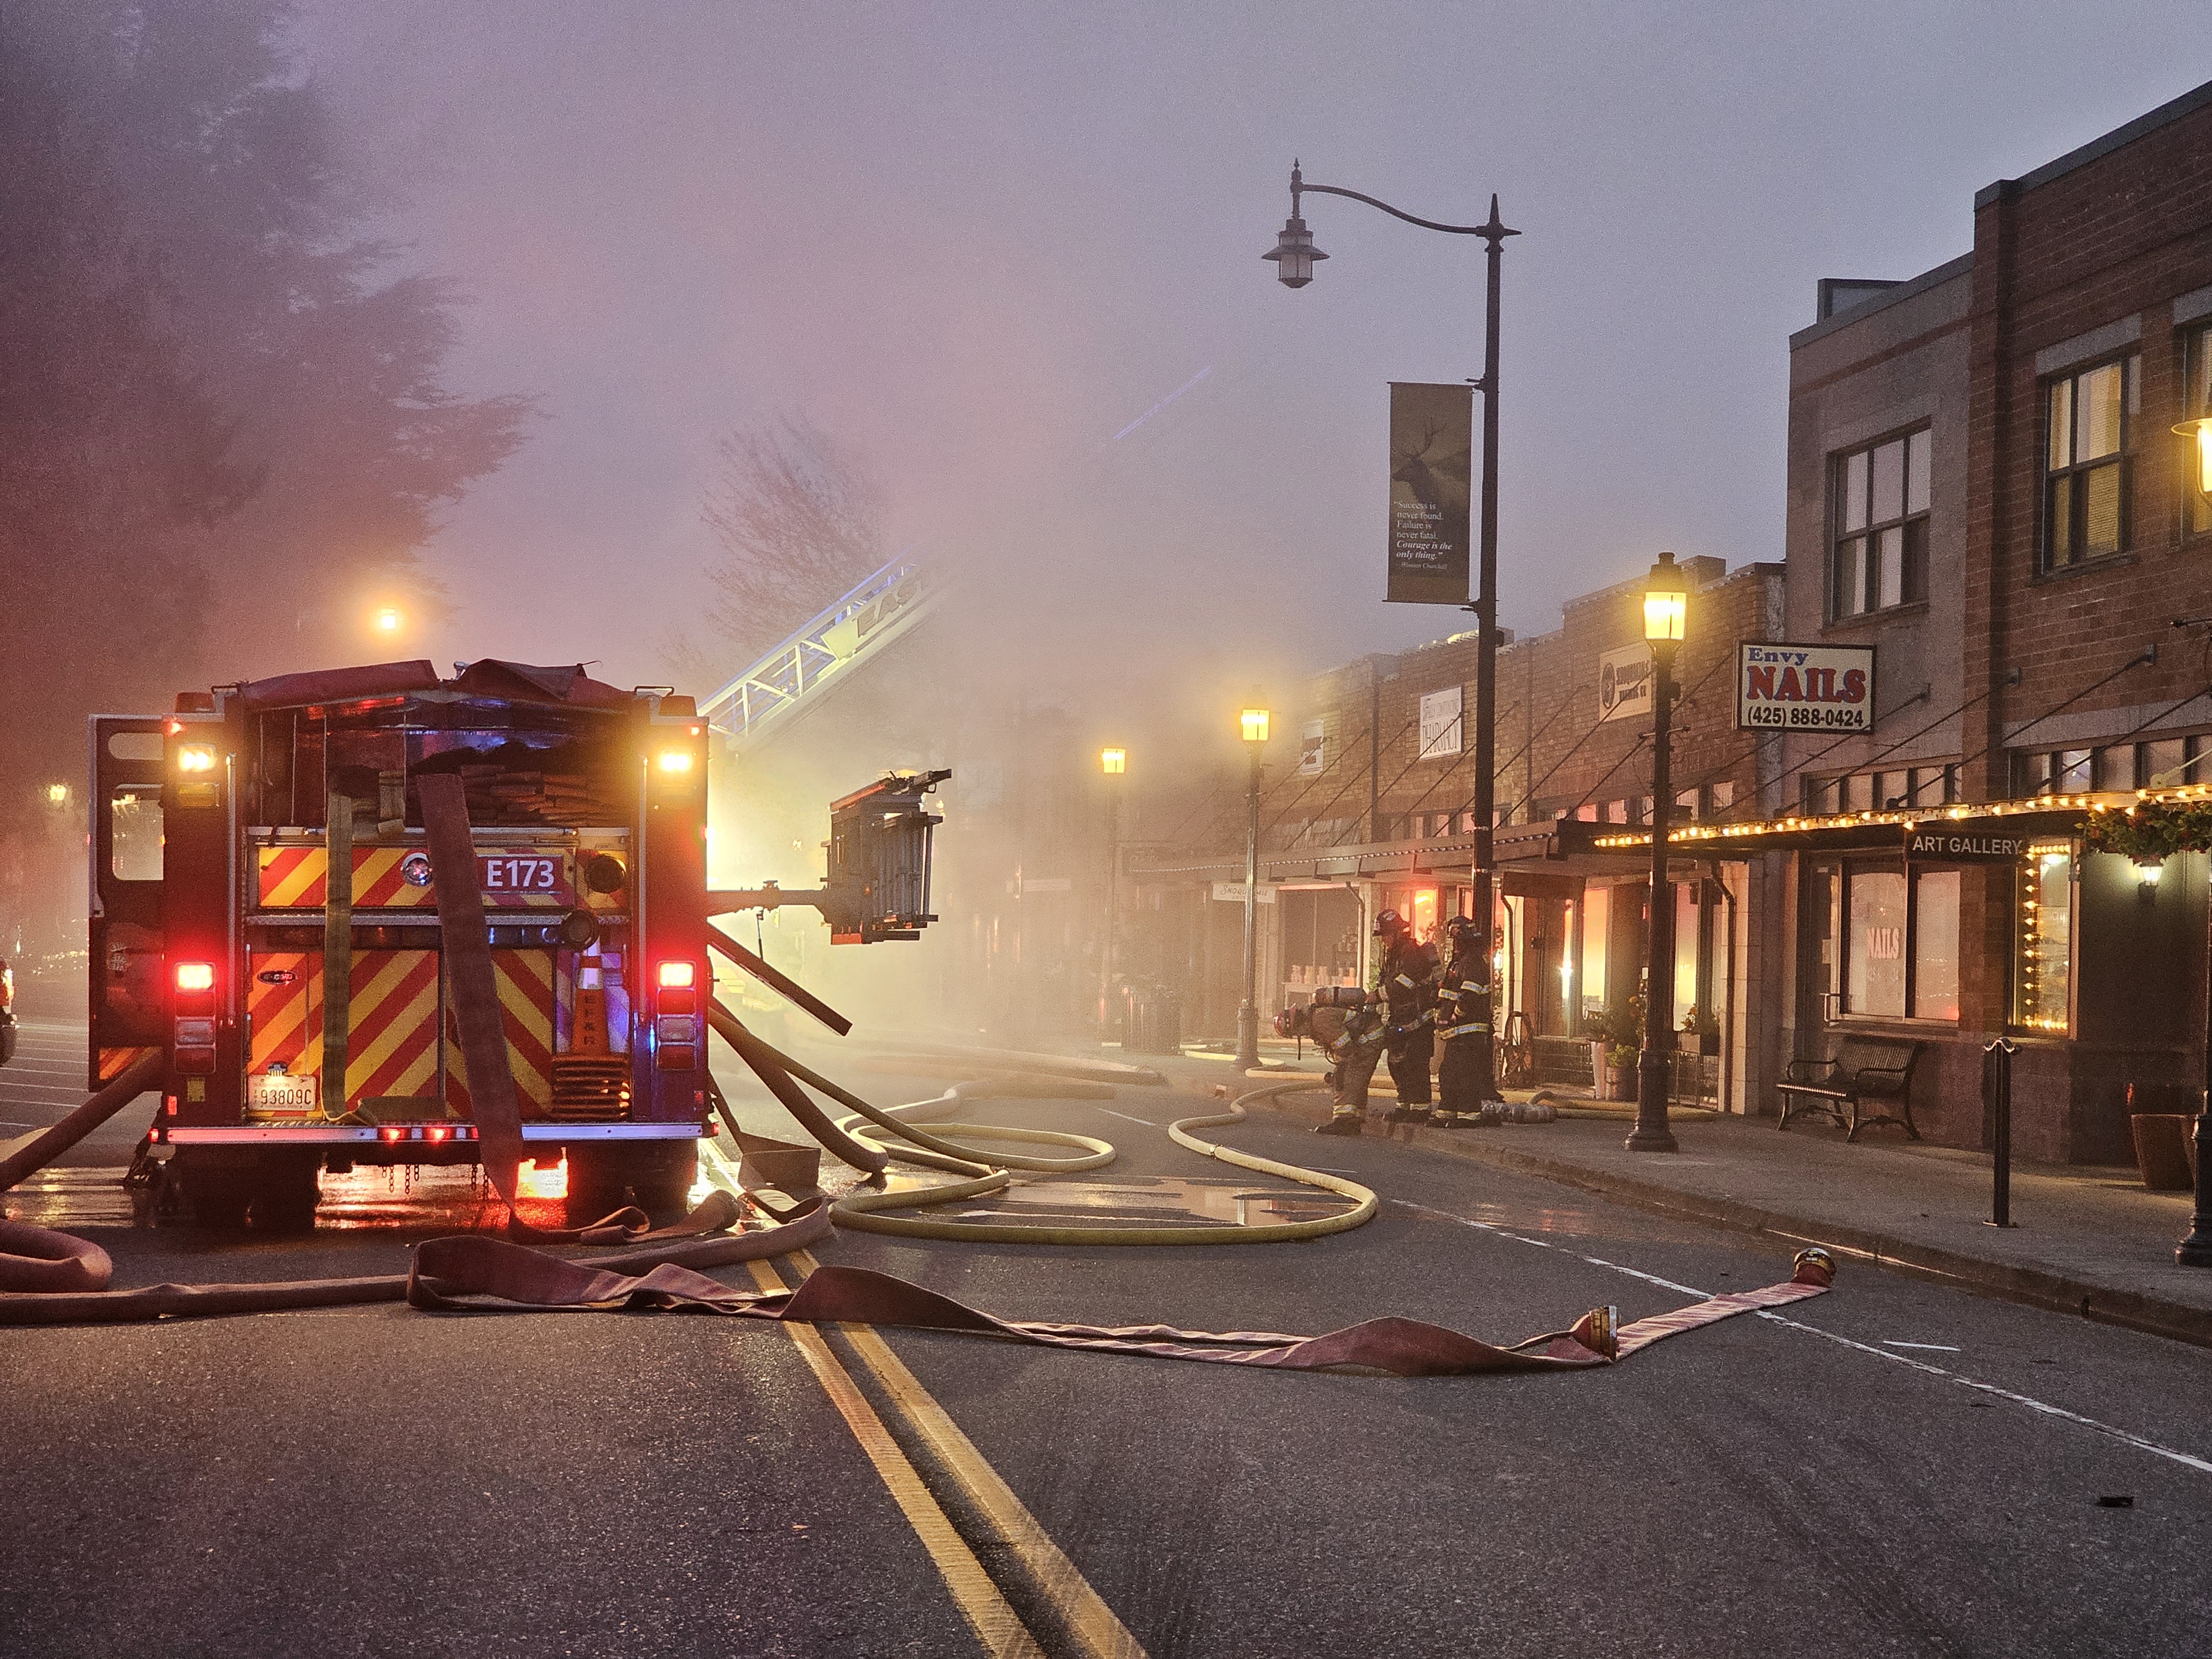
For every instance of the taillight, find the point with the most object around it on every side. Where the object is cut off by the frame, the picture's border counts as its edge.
(192, 1017)
(676, 1027)
(196, 757)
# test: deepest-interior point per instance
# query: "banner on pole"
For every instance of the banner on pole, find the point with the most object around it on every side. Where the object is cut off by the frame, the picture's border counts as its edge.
(1431, 469)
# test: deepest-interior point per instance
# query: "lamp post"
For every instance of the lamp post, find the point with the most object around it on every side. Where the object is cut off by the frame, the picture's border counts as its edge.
(1294, 255)
(1112, 763)
(1253, 722)
(1666, 601)
(2195, 1249)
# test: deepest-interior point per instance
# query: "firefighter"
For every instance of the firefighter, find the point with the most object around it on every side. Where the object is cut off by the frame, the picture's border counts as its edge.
(1462, 1022)
(1404, 980)
(1351, 1033)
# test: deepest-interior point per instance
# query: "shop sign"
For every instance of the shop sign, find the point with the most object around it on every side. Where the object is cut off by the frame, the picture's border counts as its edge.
(1440, 722)
(1804, 687)
(1624, 683)
(1311, 747)
(1432, 459)
(1964, 844)
(1233, 891)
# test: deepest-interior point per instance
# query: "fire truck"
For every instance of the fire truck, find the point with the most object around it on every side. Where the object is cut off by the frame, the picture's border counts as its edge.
(266, 917)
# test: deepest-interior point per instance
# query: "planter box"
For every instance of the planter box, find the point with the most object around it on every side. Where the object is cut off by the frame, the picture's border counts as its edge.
(2162, 1150)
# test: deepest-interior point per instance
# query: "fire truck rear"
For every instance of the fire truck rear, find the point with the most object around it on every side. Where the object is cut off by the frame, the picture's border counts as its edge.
(265, 915)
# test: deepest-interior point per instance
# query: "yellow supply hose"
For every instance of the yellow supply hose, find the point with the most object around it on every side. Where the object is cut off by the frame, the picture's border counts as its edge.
(864, 1211)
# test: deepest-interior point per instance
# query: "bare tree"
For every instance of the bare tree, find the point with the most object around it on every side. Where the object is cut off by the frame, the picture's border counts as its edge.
(799, 519)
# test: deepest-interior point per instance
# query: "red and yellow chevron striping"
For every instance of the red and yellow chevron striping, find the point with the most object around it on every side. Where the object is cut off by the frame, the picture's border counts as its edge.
(393, 1048)
(113, 1062)
(526, 1003)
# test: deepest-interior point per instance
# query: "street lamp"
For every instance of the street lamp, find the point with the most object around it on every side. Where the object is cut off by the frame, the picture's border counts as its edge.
(2195, 1249)
(1666, 605)
(58, 794)
(1112, 764)
(387, 619)
(1253, 722)
(1294, 254)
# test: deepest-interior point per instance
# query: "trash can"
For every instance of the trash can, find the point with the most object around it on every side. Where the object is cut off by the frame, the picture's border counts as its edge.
(1153, 1022)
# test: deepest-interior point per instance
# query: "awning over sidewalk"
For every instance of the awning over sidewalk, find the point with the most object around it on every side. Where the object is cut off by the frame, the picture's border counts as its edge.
(1995, 832)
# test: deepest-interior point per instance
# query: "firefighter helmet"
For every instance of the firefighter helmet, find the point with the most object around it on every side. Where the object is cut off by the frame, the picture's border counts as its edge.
(1389, 922)
(1288, 1023)
(1460, 927)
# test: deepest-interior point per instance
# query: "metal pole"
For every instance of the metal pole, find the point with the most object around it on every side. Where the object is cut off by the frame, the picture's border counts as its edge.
(2195, 1249)
(1651, 1134)
(1248, 1016)
(2001, 1052)
(1484, 1083)
(1374, 751)
(1113, 878)
(338, 951)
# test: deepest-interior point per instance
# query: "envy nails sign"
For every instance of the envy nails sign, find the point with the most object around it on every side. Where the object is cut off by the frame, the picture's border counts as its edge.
(1804, 687)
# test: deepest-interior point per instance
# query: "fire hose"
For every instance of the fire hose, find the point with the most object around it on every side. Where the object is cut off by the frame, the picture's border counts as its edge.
(47, 1278)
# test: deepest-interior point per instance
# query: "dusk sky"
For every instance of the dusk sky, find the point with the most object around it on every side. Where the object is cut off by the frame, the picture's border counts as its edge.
(977, 242)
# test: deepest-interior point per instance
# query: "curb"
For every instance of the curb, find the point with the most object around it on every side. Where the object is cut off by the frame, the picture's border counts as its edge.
(2031, 1286)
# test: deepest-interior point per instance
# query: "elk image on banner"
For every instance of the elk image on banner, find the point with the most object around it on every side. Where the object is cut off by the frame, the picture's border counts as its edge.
(1431, 458)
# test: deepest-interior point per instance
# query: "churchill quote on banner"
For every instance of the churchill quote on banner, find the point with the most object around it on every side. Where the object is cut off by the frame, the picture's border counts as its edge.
(1431, 450)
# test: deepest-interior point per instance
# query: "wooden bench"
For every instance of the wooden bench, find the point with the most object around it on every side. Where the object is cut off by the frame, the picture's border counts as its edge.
(1868, 1080)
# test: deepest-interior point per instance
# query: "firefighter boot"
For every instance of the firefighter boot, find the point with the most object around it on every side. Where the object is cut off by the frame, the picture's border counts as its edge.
(1344, 1122)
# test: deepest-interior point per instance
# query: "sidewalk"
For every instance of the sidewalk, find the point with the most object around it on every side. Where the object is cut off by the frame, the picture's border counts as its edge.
(2088, 1241)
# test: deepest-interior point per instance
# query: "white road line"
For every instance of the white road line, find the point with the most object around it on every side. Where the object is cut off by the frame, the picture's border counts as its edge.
(2045, 1407)
(1125, 1118)
(1931, 1348)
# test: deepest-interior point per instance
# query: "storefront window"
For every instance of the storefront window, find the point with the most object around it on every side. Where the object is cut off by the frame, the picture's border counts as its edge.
(1685, 947)
(1597, 917)
(1900, 943)
(2043, 976)
(1874, 956)
(1935, 945)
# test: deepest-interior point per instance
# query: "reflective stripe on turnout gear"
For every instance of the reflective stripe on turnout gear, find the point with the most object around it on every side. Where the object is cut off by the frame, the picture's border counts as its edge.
(1463, 1030)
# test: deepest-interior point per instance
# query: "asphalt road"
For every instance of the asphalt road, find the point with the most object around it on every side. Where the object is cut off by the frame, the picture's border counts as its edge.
(377, 1481)
(46, 1078)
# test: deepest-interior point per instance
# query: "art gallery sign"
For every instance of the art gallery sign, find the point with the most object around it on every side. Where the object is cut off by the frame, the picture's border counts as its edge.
(1804, 687)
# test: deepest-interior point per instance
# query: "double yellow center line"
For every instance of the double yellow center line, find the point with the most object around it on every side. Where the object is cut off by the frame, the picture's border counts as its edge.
(1085, 1625)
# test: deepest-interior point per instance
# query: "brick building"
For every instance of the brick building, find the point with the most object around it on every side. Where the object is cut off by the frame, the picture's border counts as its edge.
(1985, 489)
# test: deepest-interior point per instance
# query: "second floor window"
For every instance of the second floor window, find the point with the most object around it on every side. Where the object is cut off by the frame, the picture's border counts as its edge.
(1881, 525)
(2086, 463)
